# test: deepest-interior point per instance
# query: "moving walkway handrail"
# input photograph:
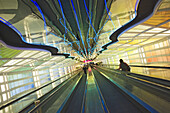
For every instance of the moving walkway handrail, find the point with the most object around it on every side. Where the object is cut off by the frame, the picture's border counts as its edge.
(149, 78)
(163, 67)
(13, 101)
(133, 98)
(101, 96)
(69, 95)
(158, 89)
(45, 100)
(84, 99)
(152, 79)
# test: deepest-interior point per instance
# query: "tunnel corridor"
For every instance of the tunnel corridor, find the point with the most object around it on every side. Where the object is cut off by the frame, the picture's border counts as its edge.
(45, 45)
(101, 91)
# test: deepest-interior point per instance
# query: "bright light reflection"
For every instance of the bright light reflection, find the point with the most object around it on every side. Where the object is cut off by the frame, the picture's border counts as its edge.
(1, 79)
(167, 31)
(144, 27)
(128, 34)
(146, 34)
(12, 62)
(3, 68)
(159, 35)
(2, 88)
(24, 61)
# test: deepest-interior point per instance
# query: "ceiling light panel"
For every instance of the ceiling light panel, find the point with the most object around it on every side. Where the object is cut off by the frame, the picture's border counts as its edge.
(167, 31)
(9, 69)
(29, 54)
(156, 30)
(142, 27)
(22, 54)
(12, 62)
(3, 68)
(39, 55)
(25, 62)
(146, 35)
(128, 34)
(162, 35)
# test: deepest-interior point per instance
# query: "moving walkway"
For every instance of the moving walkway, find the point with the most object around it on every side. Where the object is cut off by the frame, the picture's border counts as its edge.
(106, 91)
(96, 94)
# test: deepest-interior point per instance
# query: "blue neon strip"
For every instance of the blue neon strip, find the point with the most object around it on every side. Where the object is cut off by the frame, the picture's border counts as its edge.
(78, 26)
(107, 9)
(89, 26)
(88, 40)
(130, 21)
(67, 28)
(72, 34)
(134, 18)
(87, 11)
(96, 37)
(108, 13)
(18, 32)
(15, 29)
(45, 25)
(63, 18)
(136, 4)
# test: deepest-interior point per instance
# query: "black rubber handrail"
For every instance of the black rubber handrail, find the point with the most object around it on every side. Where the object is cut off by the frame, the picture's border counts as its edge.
(152, 79)
(162, 67)
(16, 100)
(165, 83)
(84, 97)
(101, 95)
(70, 99)
(45, 100)
(144, 107)
(151, 66)
(10, 38)
(63, 107)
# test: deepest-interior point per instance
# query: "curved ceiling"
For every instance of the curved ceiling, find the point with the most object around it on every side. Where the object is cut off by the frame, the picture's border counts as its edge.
(75, 24)
(77, 27)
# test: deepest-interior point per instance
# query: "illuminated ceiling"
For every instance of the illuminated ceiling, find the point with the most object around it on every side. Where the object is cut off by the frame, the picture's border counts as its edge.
(76, 24)
(78, 27)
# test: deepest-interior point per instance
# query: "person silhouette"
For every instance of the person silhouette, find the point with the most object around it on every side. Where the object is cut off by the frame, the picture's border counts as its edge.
(85, 69)
(123, 66)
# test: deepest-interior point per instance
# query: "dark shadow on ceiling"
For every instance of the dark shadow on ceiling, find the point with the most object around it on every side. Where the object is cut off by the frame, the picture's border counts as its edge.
(13, 40)
(145, 10)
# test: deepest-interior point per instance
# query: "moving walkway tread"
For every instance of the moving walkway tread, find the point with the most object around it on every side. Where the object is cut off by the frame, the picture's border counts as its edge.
(115, 100)
(54, 101)
(46, 95)
(59, 99)
(85, 98)
(74, 104)
(158, 90)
